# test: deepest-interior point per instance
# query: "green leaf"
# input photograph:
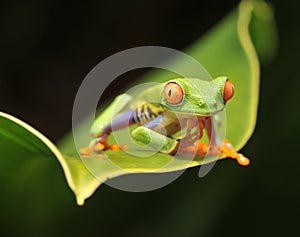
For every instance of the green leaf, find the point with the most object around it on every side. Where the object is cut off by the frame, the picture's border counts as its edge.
(22, 143)
(226, 50)
(20, 138)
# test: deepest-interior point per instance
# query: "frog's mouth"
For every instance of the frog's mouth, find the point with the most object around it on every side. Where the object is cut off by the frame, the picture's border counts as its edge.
(190, 114)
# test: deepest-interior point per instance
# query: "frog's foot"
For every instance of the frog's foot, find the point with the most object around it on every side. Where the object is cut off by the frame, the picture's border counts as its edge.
(116, 147)
(199, 149)
(85, 151)
(228, 151)
(89, 150)
(99, 147)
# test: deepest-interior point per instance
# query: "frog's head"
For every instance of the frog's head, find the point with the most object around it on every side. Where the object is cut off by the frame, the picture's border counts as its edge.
(191, 95)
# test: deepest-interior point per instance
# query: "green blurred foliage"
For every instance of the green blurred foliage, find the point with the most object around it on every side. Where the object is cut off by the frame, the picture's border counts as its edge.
(44, 42)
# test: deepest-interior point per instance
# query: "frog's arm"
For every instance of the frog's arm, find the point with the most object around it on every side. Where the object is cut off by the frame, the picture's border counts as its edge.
(211, 132)
(224, 147)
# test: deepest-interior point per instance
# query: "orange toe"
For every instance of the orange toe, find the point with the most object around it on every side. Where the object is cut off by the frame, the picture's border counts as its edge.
(228, 151)
(201, 149)
(86, 150)
(99, 147)
(115, 147)
(242, 160)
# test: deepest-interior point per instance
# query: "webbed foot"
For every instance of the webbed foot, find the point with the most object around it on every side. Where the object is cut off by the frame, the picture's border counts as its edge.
(228, 151)
(201, 149)
(98, 148)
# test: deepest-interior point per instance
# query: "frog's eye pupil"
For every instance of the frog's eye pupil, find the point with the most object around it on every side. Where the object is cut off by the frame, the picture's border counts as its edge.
(173, 93)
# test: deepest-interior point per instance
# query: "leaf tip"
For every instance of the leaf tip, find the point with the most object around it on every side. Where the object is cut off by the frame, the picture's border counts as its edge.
(80, 201)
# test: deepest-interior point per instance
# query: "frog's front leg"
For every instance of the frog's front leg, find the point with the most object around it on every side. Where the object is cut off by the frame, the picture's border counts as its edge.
(188, 144)
(225, 148)
(100, 143)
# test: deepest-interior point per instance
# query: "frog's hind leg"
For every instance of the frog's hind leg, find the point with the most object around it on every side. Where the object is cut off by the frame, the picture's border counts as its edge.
(155, 134)
(104, 125)
(123, 120)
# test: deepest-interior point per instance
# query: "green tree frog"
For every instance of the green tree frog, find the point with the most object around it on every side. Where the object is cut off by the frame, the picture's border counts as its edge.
(185, 105)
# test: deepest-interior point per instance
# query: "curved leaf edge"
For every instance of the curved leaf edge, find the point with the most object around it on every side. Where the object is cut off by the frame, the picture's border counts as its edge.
(51, 146)
(82, 189)
(246, 9)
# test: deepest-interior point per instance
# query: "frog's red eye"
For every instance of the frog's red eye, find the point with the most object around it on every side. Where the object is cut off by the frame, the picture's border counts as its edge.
(173, 93)
(228, 90)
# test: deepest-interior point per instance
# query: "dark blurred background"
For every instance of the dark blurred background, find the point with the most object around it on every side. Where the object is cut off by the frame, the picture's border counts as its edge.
(48, 47)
